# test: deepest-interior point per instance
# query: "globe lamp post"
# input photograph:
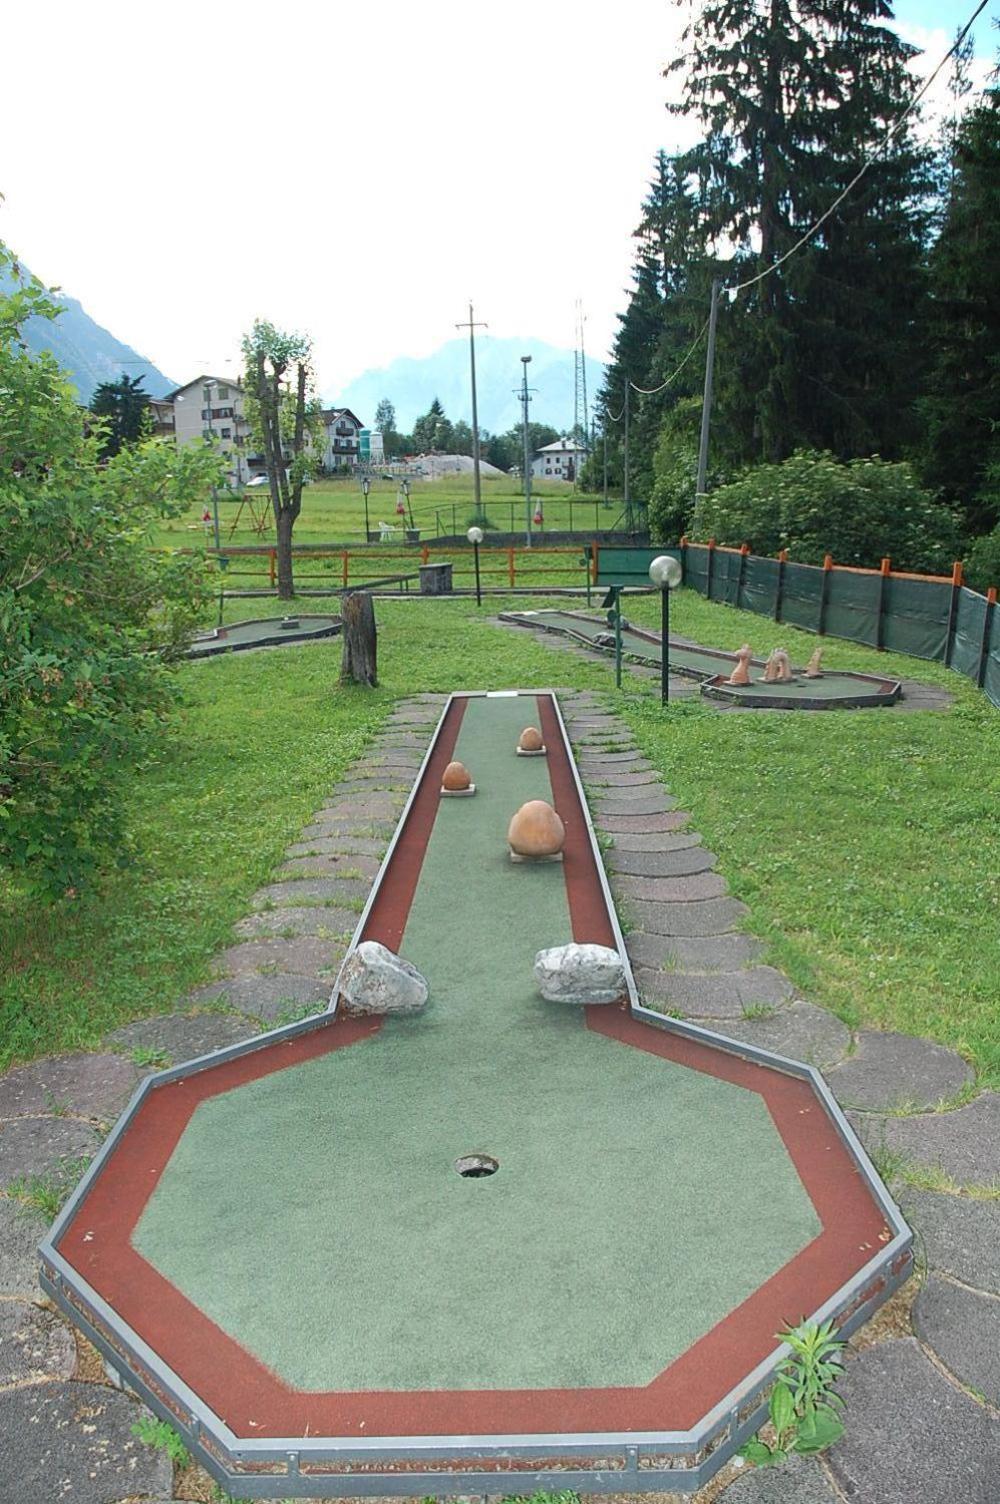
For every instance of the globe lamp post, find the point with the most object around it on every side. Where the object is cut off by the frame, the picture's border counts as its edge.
(475, 537)
(666, 574)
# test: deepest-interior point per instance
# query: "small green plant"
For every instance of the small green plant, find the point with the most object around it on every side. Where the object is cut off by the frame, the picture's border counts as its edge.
(46, 1193)
(156, 1433)
(150, 1055)
(804, 1403)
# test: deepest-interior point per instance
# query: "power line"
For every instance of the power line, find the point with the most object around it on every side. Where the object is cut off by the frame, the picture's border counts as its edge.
(879, 149)
(651, 391)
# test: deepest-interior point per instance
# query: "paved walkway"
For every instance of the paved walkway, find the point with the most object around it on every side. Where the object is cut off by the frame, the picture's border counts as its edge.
(923, 1380)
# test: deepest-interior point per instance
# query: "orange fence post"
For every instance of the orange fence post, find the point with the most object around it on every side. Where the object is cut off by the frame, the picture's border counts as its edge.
(595, 554)
(956, 588)
(744, 555)
(425, 555)
(510, 566)
(884, 570)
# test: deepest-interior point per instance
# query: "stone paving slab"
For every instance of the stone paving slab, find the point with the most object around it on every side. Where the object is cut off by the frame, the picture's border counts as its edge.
(615, 825)
(183, 1036)
(912, 1437)
(315, 919)
(657, 840)
(688, 889)
(962, 1327)
(800, 1480)
(335, 864)
(34, 1344)
(73, 1441)
(638, 803)
(723, 994)
(960, 1234)
(267, 997)
(893, 1070)
(964, 1143)
(800, 1031)
(365, 807)
(710, 916)
(615, 759)
(677, 863)
(21, 1230)
(329, 890)
(41, 1146)
(88, 1086)
(711, 953)
(614, 780)
(338, 845)
(308, 955)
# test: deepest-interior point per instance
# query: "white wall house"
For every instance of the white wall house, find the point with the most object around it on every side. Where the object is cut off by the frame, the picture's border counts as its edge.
(558, 461)
(343, 438)
(211, 407)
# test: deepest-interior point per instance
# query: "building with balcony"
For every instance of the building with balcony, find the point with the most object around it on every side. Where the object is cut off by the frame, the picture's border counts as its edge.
(558, 461)
(211, 408)
(343, 438)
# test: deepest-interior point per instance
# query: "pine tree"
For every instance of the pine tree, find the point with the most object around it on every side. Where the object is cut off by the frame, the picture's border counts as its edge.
(124, 405)
(792, 95)
(961, 451)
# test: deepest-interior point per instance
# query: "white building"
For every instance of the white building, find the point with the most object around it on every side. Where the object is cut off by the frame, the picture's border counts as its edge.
(211, 408)
(558, 461)
(343, 438)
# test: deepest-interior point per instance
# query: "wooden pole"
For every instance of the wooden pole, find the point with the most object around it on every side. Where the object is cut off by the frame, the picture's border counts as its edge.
(885, 570)
(956, 587)
(984, 647)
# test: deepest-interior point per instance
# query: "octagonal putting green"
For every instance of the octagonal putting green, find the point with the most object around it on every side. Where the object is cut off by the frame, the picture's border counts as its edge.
(836, 689)
(264, 632)
(278, 1249)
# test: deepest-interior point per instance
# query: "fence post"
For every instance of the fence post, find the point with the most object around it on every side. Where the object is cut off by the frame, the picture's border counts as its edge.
(956, 586)
(510, 566)
(779, 589)
(744, 551)
(684, 558)
(272, 565)
(347, 565)
(425, 555)
(824, 593)
(711, 568)
(595, 553)
(885, 570)
(984, 648)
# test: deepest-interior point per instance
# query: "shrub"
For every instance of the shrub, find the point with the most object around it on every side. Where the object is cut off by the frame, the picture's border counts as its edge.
(982, 562)
(675, 472)
(812, 504)
(90, 616)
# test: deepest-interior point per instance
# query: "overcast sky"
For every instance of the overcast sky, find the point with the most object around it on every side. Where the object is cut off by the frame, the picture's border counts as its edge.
(357, 172)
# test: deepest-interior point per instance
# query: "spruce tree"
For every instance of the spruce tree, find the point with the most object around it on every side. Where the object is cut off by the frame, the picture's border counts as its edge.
(792, 95)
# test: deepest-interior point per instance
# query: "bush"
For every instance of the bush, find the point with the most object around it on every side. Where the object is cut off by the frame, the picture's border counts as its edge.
(812, 504)
(90, 616)
(675, 471)
(982, 562)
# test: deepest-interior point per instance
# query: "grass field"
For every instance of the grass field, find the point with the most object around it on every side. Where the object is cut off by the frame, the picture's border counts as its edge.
(333, 511)
(865, 843)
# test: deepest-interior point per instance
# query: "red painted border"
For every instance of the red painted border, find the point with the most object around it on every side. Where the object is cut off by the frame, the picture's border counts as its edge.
(254, 1402)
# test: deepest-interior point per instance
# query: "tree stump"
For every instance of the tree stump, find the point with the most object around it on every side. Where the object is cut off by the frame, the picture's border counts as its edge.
(358, 665)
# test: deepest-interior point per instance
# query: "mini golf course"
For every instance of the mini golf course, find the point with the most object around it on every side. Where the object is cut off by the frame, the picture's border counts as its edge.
(277, 1248)
(265, 632)
(834, 690)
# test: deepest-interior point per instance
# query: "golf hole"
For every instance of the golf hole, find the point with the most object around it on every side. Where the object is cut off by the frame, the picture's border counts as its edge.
(475, 1166)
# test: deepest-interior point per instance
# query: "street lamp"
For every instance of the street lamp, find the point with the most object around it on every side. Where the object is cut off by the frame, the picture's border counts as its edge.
(666, 574)
(475, 537)
(366, 486)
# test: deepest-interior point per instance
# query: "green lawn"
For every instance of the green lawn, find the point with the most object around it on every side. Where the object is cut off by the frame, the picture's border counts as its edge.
(865, 843)
(333, 511)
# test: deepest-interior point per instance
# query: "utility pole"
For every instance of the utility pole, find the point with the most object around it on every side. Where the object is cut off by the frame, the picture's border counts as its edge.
(627, 494)
(525, 399)
(472, 326)
(706, 405)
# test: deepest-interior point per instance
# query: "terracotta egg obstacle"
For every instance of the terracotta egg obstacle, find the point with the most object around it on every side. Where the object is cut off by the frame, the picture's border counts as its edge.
(456, 781)
(536, 833)
(529, 743)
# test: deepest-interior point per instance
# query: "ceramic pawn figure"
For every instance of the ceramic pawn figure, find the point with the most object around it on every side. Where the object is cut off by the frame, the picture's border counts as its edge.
(741, 673)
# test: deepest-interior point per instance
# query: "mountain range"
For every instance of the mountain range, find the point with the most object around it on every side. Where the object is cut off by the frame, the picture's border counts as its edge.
(412, 383)
(88, 353)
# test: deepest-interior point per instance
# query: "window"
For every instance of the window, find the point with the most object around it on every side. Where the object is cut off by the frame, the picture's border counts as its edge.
(227, 433)
(223, 393)
(222, 412)
(206, 413)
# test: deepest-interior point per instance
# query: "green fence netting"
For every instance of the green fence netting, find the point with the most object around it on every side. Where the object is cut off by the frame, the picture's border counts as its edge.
(923, 618)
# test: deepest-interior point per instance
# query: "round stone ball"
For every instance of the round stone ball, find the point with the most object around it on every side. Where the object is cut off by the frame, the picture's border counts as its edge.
(536, 830)
(531, 739)
(456, 777)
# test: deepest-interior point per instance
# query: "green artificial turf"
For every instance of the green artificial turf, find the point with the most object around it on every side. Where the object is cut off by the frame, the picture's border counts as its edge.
(316, 1215)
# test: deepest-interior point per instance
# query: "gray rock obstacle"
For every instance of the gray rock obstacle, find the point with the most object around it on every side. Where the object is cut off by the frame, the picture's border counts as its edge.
(893, 1070)
(74, 1441)
(963, 1328)
(374, 980)
(912, 1437)
(580, 974)
(960, 1234)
